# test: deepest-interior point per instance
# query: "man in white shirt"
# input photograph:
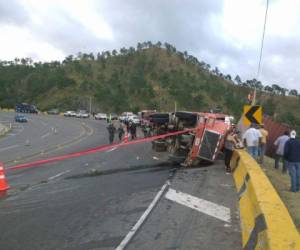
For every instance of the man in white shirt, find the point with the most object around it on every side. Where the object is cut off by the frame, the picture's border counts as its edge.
(252, 139)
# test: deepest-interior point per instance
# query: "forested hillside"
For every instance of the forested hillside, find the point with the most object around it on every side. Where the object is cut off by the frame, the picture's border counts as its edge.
(151, 76)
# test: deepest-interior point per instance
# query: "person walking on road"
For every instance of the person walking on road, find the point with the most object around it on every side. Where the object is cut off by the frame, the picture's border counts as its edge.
(252, 139)
(280, 143)
(292, 155)
(132, 129)
(121, 132)
(111, 131)
(263, 144)
(230, 143)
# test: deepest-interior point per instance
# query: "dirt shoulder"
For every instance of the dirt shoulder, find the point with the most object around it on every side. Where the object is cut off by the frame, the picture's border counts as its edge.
(281, 183)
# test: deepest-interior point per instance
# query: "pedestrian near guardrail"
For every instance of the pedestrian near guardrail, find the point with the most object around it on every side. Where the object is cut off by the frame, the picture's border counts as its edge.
(231, 141)
(280, 143)
(292, 155)
(263, 145)
(252, 139)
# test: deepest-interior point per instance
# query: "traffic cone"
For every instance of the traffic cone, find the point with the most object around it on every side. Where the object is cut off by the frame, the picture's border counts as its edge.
(3, 184)
(125, 137)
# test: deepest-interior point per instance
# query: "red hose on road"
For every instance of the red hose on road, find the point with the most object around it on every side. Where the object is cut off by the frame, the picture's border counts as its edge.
(94, 150)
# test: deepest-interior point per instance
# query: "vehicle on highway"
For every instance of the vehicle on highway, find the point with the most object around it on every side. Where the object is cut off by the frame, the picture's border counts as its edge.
(124, 116)
(112, 117)
(203, 141)
(53, 112)
(134, 119)
(70, 113)
(21, 118)
(82, 114)
(100, 116)
(144, 117)
(26, 108)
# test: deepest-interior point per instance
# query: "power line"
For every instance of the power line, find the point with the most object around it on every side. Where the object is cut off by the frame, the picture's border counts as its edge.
(262, 41)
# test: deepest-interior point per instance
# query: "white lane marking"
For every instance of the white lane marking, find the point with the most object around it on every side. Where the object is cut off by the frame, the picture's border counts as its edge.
(111, 149)
(45, 135)
(9, 147)
(139, 223)
(11, 134)
(58, 175)
(218, 211)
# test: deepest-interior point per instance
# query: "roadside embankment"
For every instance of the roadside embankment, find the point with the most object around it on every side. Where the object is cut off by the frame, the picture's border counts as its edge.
(282, 183)
(265, 221)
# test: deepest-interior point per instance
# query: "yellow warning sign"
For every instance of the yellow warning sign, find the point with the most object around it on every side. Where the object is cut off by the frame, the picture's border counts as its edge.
(252, 114)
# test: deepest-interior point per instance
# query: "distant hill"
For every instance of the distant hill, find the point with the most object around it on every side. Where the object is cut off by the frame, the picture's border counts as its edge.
(151, 76)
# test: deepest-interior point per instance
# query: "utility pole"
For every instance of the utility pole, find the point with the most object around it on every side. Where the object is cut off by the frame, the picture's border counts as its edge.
(90, 104)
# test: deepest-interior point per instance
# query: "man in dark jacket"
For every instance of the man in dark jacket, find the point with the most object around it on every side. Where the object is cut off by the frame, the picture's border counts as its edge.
(292, 155)
(111, 131)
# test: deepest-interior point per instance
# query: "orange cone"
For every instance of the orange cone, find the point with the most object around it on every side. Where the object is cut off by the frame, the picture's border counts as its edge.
(3, 184)
(125, 137)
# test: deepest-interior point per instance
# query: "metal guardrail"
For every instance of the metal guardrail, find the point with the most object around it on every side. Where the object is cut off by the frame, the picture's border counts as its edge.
(265, 221)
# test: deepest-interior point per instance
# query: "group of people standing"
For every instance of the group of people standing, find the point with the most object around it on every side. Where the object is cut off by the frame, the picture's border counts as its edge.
(128, 129)
(288, 150)
(255, 141)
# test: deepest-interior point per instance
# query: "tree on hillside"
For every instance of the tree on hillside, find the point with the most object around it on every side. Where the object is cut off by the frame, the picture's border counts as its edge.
(276, 88)
(114, 52)
(268, 89)
(158, 44)
(139, 46)
(228, 77)
(238, 79)
(293, 92)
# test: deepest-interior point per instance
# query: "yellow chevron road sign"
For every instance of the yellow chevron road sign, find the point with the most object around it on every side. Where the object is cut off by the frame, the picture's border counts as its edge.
(252, 114)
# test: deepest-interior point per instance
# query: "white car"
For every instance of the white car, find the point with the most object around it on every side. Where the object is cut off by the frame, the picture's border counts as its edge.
(134, 119)
(70, 113)
(82, 114)
(125, 116)
(100, 116)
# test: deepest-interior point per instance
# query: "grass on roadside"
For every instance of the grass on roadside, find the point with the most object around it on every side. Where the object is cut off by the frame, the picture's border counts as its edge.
(281, 183)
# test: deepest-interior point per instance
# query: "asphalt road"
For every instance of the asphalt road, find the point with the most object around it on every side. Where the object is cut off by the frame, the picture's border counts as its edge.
(92, 202)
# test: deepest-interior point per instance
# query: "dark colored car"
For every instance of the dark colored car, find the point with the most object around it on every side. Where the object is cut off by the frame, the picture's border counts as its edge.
(26, 108)
(21, 118)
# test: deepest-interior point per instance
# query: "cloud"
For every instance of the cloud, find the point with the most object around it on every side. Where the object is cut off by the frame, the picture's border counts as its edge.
(13, 12)
(225, 34)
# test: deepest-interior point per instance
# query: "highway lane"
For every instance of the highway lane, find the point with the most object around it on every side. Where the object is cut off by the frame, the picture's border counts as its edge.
(92, 202)
(45, 134)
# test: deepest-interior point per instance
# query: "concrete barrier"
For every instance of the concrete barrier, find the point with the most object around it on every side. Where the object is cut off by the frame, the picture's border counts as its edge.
(265, 221)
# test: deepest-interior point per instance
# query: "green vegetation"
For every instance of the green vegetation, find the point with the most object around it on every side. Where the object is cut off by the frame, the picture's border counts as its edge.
(281, 183)
(151, 76)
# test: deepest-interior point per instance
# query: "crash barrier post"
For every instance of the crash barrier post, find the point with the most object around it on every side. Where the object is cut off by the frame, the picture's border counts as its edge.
(265, 221)
(3, 183)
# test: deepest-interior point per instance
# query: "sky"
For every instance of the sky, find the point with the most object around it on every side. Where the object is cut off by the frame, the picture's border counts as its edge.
(223, 33)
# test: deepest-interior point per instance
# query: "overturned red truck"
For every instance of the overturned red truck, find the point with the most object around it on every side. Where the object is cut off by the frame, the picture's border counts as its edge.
(202, 142)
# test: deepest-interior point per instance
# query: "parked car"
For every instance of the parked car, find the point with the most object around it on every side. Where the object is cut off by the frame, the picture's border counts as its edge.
(82, 114)
(53, 112)
(26, 108)
(112, 117)
(100, 116)
(70, 113)
(21, 118)
(134, 119)
(124, 116)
